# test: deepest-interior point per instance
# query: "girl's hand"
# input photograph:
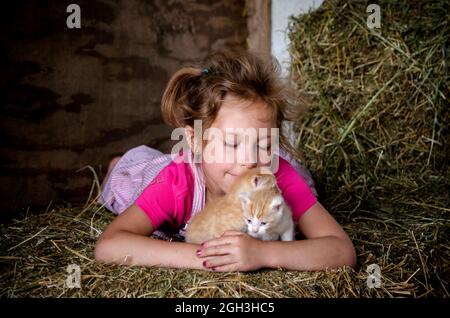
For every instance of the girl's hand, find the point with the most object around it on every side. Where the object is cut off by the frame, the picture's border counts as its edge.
(233, 251)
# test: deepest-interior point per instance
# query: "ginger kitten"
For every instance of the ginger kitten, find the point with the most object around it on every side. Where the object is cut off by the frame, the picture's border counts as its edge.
(254, 196)
(267, 215)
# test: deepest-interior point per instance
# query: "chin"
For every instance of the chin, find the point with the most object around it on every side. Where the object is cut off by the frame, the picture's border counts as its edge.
(227, 181)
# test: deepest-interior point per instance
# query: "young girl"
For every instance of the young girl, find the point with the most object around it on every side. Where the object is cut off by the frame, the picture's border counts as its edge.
(158, 193)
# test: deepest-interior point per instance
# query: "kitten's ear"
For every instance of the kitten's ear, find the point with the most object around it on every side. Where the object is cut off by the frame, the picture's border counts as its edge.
(245, 199)
(263, 173)
(256, 181)
(277, 203)
(260, 181)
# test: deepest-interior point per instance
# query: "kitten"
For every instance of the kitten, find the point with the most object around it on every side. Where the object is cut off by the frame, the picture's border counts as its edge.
(267, 215)
(227, 212)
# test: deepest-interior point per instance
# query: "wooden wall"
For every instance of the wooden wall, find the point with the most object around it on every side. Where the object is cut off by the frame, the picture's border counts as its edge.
(76, 97)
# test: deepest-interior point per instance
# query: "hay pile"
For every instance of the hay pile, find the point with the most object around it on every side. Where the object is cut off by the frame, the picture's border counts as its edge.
(375, 140)
(376, 135)
(38, 248)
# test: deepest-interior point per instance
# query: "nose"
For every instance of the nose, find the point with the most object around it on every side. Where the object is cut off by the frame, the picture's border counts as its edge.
(254, 229)
(249, 165)
(250, 158)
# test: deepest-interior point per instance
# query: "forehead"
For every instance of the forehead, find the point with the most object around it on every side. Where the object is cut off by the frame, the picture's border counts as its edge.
(260, 201)
(240, 113)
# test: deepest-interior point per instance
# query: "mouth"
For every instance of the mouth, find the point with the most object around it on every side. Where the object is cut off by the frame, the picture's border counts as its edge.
(237, 174)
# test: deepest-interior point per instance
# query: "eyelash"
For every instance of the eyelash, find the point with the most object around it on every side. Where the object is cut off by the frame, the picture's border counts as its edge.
(230, 145)
(235, 145)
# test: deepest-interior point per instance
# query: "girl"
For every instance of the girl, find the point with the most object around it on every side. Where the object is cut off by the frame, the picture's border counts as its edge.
(157, 193)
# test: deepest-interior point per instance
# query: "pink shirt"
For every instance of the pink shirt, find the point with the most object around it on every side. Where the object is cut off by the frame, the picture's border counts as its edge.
(167, 200)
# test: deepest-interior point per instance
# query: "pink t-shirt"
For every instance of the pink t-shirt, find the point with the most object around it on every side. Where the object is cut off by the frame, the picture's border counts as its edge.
(167, 200)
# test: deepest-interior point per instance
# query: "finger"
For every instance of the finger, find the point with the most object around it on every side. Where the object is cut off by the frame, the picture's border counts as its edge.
(233, 267)
(215, 250)
(218, 261)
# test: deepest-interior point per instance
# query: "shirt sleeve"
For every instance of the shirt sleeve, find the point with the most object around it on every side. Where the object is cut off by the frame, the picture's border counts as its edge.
(158, 200)
(295, 189)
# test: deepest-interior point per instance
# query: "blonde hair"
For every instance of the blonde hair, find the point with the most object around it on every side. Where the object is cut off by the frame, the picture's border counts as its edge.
(197, 91)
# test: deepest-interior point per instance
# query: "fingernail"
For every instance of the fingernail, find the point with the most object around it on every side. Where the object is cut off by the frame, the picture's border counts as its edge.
(204, 263)
(199, 252)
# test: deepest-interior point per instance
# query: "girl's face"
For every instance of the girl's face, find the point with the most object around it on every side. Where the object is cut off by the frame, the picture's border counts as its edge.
(240, 134)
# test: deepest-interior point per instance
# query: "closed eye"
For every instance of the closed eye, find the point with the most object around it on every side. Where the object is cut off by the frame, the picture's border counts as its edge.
(263, 223)
(264, 143)
(249, 221)
(233, 145)
(264, 147)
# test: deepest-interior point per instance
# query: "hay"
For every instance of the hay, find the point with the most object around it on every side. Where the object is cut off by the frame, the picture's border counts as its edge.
(376, 134)
(375, 139)
(38, 248)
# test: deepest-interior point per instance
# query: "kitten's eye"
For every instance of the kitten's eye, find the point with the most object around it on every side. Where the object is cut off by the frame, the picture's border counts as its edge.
(249, 221)
(263, 223)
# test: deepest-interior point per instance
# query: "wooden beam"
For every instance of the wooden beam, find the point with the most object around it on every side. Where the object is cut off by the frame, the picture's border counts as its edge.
(258, 14)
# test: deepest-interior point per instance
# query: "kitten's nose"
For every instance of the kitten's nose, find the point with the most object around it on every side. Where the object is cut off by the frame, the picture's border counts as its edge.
(254, 229)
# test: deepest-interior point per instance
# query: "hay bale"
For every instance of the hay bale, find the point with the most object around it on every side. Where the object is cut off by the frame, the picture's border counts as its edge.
(376, 134)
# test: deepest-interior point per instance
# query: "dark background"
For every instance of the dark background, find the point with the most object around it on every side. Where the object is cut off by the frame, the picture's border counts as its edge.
(76, 97)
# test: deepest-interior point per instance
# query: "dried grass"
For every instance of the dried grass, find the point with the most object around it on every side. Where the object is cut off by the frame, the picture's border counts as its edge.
(376, 134)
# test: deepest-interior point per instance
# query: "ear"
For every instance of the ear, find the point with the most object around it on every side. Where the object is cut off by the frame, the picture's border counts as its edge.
(195, 145)
(189, 132)
(277, 203)
(245, 199)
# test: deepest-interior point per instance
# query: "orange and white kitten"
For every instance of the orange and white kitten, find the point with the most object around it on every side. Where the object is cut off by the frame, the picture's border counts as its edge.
(227, 212)
(267, 215)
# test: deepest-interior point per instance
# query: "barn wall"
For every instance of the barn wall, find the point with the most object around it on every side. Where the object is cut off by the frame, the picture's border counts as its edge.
(76, 97)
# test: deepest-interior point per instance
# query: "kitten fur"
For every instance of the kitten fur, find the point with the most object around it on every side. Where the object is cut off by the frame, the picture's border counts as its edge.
(226, 213)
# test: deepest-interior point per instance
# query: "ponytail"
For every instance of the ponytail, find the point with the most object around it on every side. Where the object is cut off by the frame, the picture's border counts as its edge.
(176, 98)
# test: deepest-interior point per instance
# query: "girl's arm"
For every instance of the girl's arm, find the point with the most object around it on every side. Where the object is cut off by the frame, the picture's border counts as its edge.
(126, 241)
(326, 246)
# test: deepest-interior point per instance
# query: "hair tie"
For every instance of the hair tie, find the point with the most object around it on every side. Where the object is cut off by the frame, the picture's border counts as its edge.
(205, 71)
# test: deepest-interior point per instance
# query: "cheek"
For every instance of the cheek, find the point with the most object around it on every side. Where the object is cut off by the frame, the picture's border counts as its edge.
(217, 169)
